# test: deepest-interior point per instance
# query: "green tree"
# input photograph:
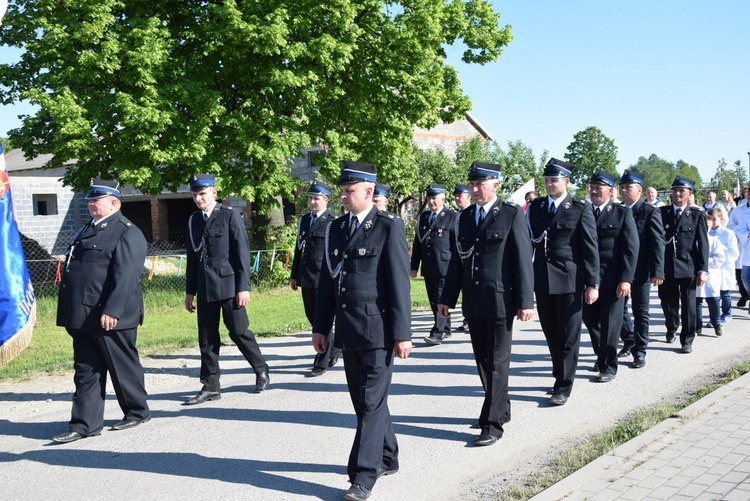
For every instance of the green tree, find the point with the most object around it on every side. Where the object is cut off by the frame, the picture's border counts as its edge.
(517, 163)
(150, 92)
(591, 150)
(725, 178)
(658, 172)
(434, 166)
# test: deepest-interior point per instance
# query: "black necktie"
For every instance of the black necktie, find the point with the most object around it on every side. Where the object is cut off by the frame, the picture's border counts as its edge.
(552, 208)
(205, 217)
(313, 218)
(353, 225)
(482, 215)
(431, 219)
(677, 215)
(597, 211)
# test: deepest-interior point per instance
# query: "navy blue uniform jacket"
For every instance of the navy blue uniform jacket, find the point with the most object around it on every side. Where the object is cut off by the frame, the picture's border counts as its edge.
(651, 235)
(618, 245)
(103, 275)
(497, 278)
(434, 243)
(686, 248)
(365, 284)
(309, 252)
(225, 268)
(569, 260)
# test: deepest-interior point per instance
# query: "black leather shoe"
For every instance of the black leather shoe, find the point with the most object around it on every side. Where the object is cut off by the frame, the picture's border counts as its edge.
(125, 424)
(333, 360)
(639, 362)
(670, 337)
(384, 471)
(625, 352)
(357, 493)
(70, 436)
(485, 439)
(262, 381)
(317, 371)
(558, 399)
(742, 302)
(686, 348)
(605, 377)
(202, 396)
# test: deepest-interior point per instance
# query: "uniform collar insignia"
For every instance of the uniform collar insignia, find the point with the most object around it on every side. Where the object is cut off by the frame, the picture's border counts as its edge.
(368, 224)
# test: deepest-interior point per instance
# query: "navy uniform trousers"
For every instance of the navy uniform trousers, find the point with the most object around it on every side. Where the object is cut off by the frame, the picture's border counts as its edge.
(96, 351)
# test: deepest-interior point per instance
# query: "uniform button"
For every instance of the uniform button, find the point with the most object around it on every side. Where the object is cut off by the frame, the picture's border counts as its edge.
(476, 253)
(346, 256)
(476, 268)
(476, 240)
(343, 289)
(343, 273)
(343, 305)
(476, 283)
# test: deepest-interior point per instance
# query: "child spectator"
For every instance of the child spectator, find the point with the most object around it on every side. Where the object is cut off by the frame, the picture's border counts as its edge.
(711, 290)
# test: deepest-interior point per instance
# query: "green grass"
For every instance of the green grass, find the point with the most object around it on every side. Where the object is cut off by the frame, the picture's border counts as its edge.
(167, 326)
(595, 446)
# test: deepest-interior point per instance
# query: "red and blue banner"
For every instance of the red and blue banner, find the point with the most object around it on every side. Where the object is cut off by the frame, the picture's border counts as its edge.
(16, 292)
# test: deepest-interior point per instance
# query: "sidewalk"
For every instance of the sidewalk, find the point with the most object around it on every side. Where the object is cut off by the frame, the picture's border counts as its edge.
(702, 453)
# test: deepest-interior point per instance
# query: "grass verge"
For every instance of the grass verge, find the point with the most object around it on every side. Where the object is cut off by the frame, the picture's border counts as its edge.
(601, 443)
(167, 326)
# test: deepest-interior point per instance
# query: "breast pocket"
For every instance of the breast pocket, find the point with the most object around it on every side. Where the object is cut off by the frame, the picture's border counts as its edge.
(92, 251)
(494, 239)
(365, 259)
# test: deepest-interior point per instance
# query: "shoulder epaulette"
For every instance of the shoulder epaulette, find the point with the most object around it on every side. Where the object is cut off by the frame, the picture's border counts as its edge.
(580, 201)
(388, 214)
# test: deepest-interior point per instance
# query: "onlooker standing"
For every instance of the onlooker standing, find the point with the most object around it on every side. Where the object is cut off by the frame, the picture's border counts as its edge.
(712, 203)
(742, 198)
(685, 262)
(652, 197)
(618, 246)
(729, 241)
(740, 224)
(100, 304)
(649, 268)
(365, 287)
(711, 289)
(566, 261)
(309, 257)
(434, 242)
(728, 203)
(493, 268)
(218, 272)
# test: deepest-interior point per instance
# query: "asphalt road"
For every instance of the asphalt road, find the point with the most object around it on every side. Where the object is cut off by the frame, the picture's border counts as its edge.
(292, 441)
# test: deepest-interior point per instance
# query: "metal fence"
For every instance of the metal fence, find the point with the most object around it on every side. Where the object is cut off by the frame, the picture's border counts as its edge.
(165, 264)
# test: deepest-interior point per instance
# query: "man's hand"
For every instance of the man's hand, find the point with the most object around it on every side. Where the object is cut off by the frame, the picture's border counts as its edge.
(319, 342)
(591, 295)
(242, 298)
(444, 310)
(413, 274)
(525, 314)
(656, 281)
(107, 322)
(402, 348)
(189, 305)
(701, 278)
(623, 289)
(293, 283)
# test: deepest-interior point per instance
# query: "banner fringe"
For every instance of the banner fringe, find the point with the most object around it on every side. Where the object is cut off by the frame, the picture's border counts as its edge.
(15, 345)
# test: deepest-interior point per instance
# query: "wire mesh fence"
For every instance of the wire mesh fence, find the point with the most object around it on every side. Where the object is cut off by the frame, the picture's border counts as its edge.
(165, 264)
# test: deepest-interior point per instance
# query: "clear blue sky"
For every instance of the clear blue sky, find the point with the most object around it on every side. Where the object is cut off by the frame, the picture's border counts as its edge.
(657, 76)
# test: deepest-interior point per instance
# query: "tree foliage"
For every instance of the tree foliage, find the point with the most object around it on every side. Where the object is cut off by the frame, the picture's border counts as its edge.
(517, 163)
(590, 151)
(151, 92)
(660, 173)
(728, 178)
